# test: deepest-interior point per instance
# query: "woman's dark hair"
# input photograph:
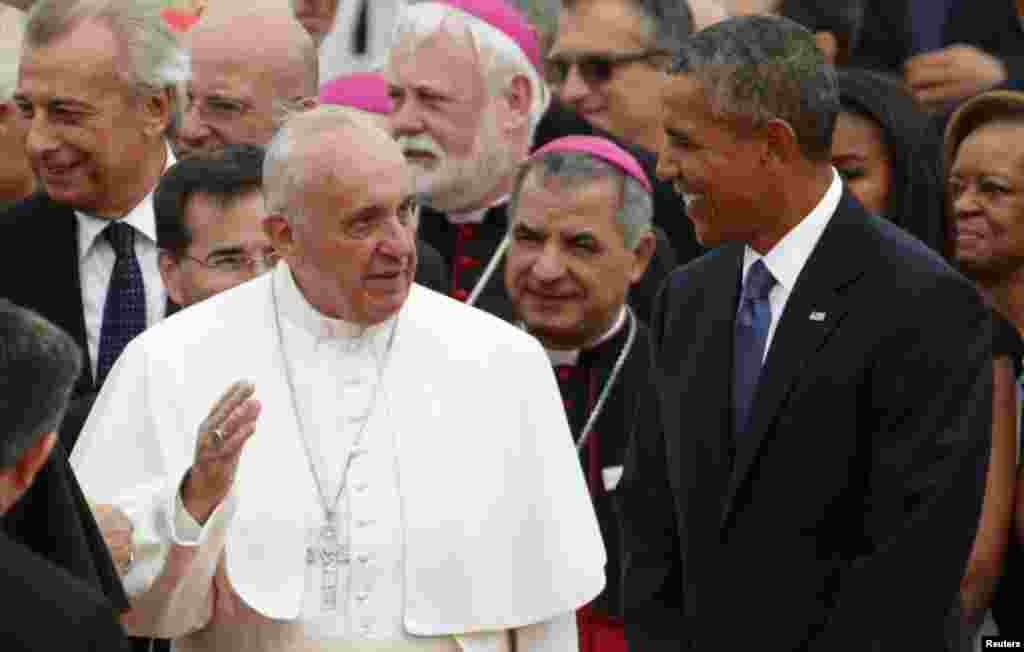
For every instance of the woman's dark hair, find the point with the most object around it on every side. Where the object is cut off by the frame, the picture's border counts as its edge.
(916, 197)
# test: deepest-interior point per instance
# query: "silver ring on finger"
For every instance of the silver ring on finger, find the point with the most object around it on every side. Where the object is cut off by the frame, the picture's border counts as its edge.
(131, 560)
(217, 437)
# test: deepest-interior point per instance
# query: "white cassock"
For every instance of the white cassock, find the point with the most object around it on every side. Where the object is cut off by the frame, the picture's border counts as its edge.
(465, 514)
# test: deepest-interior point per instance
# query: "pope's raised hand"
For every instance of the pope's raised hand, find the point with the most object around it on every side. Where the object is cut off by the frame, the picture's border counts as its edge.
(222, 434)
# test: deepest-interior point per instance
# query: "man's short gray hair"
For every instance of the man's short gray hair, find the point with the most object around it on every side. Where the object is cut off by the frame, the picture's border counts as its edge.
(154, 59)
(759, 68)
(285, 170)
(39, 364)
(501, 58)
(576, 170)
(666, 23)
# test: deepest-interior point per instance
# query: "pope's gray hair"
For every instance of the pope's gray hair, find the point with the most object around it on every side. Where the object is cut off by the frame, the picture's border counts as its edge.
(578, 169)
(760, 68)
(154, 58)
(286, 170)
(501, 58)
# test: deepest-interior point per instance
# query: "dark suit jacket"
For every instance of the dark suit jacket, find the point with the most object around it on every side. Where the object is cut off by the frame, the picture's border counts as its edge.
(40, 268)
(40, 271)
(847, 517)
(993, 26)
(45, 609)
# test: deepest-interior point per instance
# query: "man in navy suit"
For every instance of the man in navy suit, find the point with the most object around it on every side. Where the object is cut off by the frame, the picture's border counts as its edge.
(823, 384)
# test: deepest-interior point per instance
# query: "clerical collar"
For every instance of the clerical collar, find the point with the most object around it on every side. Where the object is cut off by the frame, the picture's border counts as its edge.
(477, 216)
(298, 312)
(571, 356)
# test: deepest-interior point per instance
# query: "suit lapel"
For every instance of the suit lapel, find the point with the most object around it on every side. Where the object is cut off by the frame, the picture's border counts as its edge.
(815, 308)
(63, 299)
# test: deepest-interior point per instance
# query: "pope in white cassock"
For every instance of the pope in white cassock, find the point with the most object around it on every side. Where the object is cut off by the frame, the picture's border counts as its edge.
(385, 468)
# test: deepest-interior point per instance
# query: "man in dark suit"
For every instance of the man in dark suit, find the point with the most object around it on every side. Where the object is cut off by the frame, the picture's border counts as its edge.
(96, 87)
(45, 608)
(824, 384)
(580, 237)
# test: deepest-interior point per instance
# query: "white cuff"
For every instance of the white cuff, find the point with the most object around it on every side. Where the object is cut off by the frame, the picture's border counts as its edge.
(185, 530)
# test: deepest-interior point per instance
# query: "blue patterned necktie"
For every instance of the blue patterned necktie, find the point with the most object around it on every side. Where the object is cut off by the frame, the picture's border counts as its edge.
(753, 319)
(124, 313)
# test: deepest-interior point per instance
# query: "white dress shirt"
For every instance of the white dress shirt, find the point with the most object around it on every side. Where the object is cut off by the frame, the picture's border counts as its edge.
(96, 260)
(789, 255)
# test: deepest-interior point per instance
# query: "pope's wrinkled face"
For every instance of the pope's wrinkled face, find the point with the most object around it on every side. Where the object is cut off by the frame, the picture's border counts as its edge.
(986, 191)
(568, 269)
(349, 244)
(446, 122)
(88, 133)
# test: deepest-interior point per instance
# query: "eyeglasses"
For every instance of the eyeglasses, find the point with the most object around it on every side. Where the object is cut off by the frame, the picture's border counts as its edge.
(595, 68)
(217, 108)
(236, 262)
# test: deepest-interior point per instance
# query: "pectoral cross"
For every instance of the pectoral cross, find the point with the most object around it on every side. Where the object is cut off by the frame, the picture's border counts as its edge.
(329, 555)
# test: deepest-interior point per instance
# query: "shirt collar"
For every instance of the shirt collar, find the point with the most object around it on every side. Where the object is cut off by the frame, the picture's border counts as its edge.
(474, 217)
(789, 255)
(571, 356)
(141, 218)
(297, 311)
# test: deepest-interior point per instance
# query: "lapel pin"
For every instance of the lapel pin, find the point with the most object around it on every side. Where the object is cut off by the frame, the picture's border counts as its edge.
(817, 316)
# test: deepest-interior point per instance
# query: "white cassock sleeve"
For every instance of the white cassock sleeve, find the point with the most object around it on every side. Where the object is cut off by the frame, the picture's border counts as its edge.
(133, 454)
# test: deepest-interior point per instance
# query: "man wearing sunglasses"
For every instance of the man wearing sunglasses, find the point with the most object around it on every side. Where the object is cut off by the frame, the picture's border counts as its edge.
(604, 63)
(603, 72)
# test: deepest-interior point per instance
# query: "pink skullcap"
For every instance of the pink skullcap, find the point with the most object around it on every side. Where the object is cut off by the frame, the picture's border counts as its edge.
(507, 20)
(362, 90)
(602, 149)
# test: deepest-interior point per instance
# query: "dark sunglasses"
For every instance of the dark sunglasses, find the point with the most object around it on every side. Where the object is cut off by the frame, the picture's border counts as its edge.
(595, 68)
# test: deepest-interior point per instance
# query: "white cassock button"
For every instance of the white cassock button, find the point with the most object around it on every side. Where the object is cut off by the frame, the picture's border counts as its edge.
(362, 596)
(366, 630)
(357, 418)
(358, 451)
(364, 558)
(364, 522)
(361, 487)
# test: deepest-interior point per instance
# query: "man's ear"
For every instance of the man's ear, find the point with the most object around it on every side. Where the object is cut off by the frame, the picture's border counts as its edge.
(780, 142)
(32, 460)
(642, 256)
(519, 99)
(279, 231)
(156, 111)
(170, 272)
